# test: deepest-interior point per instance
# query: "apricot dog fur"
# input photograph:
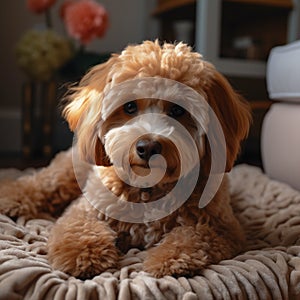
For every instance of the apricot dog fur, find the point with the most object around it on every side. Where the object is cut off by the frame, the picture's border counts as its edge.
(84, 241)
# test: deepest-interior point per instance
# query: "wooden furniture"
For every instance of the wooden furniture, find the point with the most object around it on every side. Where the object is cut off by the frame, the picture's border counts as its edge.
(236, 35)
(44, 131)
(39, 104)
(239, 36)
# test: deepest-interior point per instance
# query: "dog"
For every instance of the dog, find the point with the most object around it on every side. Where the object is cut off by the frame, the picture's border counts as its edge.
(144, 135)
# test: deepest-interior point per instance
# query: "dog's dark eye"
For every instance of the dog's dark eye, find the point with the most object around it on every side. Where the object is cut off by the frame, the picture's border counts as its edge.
(130, 107)
(176, 111)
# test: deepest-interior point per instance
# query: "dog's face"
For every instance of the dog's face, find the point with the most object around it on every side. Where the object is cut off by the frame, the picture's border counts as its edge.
(149, 109)
(150, 135)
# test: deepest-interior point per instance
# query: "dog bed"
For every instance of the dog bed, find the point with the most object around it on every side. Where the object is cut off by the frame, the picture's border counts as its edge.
(269, 268)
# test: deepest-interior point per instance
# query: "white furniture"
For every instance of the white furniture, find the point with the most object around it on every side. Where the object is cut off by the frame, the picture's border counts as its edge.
(280, 139)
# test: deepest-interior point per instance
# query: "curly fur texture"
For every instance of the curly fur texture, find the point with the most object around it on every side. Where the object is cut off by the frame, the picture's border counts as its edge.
(85, 241)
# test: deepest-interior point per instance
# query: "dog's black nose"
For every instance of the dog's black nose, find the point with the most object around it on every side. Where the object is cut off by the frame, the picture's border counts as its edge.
(146, 148)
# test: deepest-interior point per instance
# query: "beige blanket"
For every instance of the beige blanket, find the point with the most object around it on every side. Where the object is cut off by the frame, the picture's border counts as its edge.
(268, 269)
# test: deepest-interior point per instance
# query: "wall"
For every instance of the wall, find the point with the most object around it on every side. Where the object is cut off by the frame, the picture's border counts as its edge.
(130, 22)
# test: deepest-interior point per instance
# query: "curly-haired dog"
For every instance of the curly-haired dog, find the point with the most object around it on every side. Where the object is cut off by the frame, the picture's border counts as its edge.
(137, 128)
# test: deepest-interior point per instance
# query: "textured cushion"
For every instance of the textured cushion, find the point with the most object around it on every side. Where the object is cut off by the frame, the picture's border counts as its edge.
(268, 268)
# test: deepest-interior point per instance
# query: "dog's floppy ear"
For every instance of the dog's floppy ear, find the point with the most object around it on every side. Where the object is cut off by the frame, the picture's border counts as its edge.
(83, 112)
(232, 111)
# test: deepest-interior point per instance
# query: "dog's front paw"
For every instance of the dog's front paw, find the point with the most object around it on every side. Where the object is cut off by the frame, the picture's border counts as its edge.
(81, 262)
(82, 246)
(161, 262)
(82, 258)
(160, 269)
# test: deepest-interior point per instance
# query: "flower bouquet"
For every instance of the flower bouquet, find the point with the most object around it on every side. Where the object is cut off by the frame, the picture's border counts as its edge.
(44, 53)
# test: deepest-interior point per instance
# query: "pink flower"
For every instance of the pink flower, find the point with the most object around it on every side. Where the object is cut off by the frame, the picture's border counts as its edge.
(39, 6)
(84, 19)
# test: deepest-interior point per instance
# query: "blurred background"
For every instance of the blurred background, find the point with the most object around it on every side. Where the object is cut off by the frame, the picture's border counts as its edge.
(21, 134)
(48, 44)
